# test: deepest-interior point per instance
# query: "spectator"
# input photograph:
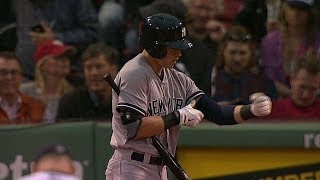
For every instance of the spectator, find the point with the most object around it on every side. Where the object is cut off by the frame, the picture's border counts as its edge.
(52, 68)
(8, 38)
(296, 38)
(111, 20)
(52, 162)
(92, 102)
(304, 101)
(273, 14)
(233, 79)
(15, 107)
(211, 16)
(74, 22)
(260, 17)
(197, 63)
(227, 10)
(199, 13)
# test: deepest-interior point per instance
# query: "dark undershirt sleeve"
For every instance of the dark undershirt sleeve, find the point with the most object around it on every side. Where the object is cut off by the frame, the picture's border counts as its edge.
(221, 115)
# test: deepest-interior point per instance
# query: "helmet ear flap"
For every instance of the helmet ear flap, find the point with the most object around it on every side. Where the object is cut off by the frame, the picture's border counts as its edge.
(157, 51)
(154, 50)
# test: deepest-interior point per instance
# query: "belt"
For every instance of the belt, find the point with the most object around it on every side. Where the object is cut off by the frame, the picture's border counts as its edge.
(153, 160)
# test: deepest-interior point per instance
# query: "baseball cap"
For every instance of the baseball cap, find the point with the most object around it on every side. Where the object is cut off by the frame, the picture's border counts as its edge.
(305, 3)
(52, 149)
(54, 48)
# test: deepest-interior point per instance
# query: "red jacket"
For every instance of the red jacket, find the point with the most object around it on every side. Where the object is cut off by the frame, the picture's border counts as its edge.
(286, 109)
(31, 111)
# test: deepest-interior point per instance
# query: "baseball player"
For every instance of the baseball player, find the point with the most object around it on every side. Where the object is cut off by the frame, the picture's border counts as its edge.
(155, 100)
(53, 162)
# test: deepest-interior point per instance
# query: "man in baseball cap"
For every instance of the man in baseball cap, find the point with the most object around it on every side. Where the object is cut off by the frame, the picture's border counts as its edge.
(53, 161)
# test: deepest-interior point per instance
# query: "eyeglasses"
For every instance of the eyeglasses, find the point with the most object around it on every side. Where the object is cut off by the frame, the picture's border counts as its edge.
(239, 38)
(13, 72)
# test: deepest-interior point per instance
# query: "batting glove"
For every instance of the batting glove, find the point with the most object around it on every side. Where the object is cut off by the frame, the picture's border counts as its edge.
(261, 104)
(189, 116)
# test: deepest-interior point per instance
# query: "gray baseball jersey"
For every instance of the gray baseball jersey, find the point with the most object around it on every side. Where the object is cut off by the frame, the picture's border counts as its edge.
(142, 90)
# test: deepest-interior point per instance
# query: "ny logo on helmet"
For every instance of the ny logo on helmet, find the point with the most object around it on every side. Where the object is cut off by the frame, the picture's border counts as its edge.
(183, 31)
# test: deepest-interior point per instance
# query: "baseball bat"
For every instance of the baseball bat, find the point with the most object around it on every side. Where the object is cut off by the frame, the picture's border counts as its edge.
(176, 169)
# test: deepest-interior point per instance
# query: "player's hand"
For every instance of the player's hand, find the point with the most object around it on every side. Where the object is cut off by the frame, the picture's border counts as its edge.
(189, 116)
(261, 104)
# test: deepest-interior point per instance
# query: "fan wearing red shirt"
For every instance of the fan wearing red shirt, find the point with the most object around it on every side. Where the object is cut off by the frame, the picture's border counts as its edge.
(304, 101)
(16, 107)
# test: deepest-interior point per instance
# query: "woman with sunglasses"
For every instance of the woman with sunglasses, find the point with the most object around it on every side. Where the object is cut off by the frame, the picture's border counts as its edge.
(235, 76)
(296, 38)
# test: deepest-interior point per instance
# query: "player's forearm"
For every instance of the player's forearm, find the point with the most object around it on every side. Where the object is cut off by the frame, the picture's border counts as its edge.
(150, 126)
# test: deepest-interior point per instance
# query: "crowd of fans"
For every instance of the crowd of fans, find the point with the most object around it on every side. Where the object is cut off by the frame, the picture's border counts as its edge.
(54, 54)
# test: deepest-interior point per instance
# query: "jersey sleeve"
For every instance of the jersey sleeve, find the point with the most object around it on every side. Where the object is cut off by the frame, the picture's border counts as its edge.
(133, 91)
(193, 92)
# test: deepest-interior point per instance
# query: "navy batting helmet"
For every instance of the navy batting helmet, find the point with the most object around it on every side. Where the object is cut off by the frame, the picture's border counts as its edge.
(161, 30)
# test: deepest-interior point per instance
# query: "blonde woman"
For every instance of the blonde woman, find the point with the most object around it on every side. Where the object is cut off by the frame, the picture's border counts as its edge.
(52, 68)
(296, 38)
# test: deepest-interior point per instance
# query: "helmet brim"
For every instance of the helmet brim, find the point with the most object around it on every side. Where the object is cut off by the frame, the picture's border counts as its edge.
(179, 44)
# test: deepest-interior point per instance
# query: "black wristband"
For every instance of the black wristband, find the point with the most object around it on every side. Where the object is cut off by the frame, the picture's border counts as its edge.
(170, 120)
(246, 113)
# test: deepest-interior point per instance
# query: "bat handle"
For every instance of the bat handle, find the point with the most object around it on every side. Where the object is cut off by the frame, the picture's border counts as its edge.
(108, 78)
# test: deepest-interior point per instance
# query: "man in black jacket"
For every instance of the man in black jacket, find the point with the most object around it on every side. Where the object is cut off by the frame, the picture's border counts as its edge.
(92, 102)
